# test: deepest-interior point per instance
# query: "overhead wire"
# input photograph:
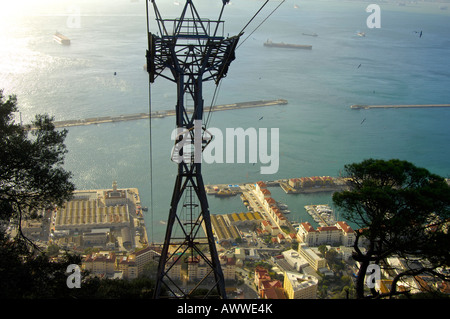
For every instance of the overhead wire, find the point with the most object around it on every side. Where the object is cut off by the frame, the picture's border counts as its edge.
(150, 132)
(261, 22)
(217, 89)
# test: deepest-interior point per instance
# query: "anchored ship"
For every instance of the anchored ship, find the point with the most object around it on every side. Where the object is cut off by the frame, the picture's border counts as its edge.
(61, 39)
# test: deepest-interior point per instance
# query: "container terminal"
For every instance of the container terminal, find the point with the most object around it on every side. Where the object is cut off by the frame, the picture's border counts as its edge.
(110, 219)
(162, 114)
(362, 106)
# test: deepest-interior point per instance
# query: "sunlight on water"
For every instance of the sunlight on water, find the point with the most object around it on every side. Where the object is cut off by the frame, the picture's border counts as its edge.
(101, 74)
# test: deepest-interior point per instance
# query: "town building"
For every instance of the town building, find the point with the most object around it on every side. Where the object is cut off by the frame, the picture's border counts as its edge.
(104, 218)
(127, 266)
(100, 264)
(173, 268)
(260, 185)
(267, 287)
(268, 227)
(341, 233)
(144, 256)
(315, 261)
(228, 265)
(294, 260)
(300, 286)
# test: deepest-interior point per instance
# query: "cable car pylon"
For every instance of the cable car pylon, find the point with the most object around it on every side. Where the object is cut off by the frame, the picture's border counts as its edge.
(189, 51)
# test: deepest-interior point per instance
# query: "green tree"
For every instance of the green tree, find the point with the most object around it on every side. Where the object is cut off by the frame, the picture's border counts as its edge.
(400, 210)
(32, 178)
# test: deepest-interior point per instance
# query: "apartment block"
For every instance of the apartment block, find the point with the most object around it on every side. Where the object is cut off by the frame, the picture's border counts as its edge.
(300, 286)
(315, 261)
(340, 233)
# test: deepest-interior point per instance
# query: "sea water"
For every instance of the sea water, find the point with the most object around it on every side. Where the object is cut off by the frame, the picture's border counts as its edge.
(101, 73)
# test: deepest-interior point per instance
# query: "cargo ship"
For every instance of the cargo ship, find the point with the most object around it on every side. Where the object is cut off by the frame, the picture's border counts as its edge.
(269, 43)
(61, 39)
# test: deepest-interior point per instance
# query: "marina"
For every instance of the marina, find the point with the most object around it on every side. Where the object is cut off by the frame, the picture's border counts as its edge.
(322, 214)
(302, 185)
(162, 114)
(399, 106)
(258, 199)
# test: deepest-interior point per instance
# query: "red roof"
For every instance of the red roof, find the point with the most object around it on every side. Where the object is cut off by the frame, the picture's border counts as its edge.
(143, 251)
(273, 293)
(266, 223)
(276, 210)
(308, 227)
(345, 227)
(266, 284)
(261, 184)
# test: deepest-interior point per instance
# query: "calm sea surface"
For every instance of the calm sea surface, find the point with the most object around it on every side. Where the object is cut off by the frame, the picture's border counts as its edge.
(319, 133)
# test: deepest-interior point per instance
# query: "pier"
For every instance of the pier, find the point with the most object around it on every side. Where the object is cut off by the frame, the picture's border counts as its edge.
(399, 106)
(301, 185)
(162, 114)
(322, 214)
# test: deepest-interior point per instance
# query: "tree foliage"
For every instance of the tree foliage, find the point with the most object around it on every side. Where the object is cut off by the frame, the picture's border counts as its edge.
(32, 178)
(400, 210)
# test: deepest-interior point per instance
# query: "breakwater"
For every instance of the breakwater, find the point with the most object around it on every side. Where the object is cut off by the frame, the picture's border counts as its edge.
(361, 106)
(162, 114)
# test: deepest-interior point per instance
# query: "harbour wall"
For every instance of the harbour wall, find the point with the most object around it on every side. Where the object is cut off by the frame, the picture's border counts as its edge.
(162, 114)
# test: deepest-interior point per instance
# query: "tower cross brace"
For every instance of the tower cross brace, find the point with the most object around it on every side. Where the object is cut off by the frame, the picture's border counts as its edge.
(189, 51)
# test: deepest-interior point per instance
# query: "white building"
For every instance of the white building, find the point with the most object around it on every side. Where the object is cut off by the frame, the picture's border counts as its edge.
(300, 286)
(311, 257)
(341, 233)
(294, 259)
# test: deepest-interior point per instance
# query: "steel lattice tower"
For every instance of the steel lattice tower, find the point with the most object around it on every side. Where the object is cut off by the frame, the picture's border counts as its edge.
(189, 51)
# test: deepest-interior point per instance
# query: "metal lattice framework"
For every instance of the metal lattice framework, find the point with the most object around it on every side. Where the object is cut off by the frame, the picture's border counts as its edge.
(189, 51)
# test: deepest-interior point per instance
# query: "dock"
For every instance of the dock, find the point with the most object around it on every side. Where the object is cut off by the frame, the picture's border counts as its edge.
(100, 213)
(322, 214)
(162, 114)
(362, 106)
